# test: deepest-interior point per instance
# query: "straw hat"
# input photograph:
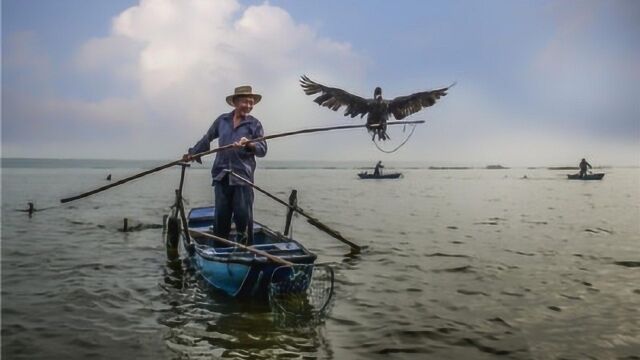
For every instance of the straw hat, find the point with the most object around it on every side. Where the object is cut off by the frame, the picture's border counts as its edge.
(243, 91)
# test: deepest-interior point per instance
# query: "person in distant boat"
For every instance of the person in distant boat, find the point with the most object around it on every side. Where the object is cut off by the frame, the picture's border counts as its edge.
(234, 198)
(109, 177)
(30, 209)
(583, 167)
(376, 171)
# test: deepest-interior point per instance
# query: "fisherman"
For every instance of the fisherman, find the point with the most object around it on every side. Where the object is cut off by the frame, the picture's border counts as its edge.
(234, 198)
(583, 167)
(376, 171)
(29, 210)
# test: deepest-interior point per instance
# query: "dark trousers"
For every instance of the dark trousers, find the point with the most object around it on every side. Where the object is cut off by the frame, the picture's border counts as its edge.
(237, 202)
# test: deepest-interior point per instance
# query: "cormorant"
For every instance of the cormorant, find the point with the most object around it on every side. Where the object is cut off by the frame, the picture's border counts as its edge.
(376, 109)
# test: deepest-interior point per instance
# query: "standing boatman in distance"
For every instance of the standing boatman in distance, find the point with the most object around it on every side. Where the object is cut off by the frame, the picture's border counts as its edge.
(234, 198)
(583, 167)
(377, 109)
(376, 171)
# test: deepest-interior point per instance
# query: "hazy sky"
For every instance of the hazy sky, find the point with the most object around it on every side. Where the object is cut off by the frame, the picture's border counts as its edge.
(538, 82)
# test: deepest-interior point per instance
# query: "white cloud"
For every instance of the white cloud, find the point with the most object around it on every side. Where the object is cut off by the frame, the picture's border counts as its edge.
(177, 60)
(115, 55)
(190, 54)
(170, 65)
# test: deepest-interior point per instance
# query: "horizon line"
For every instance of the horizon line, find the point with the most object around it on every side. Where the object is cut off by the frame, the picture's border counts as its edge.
(435, 163)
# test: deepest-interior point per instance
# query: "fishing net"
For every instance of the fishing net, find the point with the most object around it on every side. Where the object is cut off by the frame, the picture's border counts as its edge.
(301, 292)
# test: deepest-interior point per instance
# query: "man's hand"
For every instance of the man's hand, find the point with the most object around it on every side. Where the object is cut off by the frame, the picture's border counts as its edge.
(244, 142)
(190, 158)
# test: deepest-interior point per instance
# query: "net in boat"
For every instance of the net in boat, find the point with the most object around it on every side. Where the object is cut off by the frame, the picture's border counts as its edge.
(301, 292)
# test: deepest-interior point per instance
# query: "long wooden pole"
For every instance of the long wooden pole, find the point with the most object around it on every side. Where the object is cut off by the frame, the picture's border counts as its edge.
(226, 147)
(180, 204)
(293, 201)
(247, 248)
(313, 221)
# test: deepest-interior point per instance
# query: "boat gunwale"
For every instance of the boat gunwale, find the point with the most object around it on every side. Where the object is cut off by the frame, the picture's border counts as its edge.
(255, 259)
(593, 176)
(248, 258)
(365, 176)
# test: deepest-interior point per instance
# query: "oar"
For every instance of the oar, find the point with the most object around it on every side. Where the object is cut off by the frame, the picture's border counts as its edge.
(313, 221)
(274, 136)
(247, 248)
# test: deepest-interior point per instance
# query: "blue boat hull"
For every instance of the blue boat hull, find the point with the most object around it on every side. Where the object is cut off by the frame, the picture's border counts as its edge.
(237, 272)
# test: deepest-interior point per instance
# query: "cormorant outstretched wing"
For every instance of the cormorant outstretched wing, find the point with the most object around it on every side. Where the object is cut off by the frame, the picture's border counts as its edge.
(403, 106)
(334, 98)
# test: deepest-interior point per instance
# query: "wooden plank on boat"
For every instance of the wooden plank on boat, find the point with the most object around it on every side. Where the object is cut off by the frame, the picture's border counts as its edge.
(243, 247)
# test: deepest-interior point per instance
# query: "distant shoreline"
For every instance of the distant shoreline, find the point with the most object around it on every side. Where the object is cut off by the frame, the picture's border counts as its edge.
(270, 164)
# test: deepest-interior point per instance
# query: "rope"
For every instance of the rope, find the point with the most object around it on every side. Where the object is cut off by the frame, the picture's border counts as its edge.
(399, 146)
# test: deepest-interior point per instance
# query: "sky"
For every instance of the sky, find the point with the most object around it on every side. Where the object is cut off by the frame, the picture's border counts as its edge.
(537, 82)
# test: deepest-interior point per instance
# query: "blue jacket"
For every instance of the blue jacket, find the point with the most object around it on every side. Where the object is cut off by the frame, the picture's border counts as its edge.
(239, 160)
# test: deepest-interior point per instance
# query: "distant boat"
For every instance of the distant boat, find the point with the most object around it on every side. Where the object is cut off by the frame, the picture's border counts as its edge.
(597, 176)
(365, 175)
(496, 167)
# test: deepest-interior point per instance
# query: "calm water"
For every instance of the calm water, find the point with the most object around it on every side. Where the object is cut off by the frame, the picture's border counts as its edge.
(473, 264)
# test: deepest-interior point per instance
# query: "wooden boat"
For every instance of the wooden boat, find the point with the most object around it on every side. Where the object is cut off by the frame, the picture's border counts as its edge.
(237, 272)
(597, 176)
(365, 175)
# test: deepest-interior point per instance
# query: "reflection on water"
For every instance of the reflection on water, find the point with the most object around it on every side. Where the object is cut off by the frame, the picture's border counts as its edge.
(474, 264)
(205, 323)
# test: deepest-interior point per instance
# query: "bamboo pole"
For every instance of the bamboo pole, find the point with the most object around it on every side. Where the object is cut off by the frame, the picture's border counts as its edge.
(226, 147)
(313, 221)
(243, 247)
